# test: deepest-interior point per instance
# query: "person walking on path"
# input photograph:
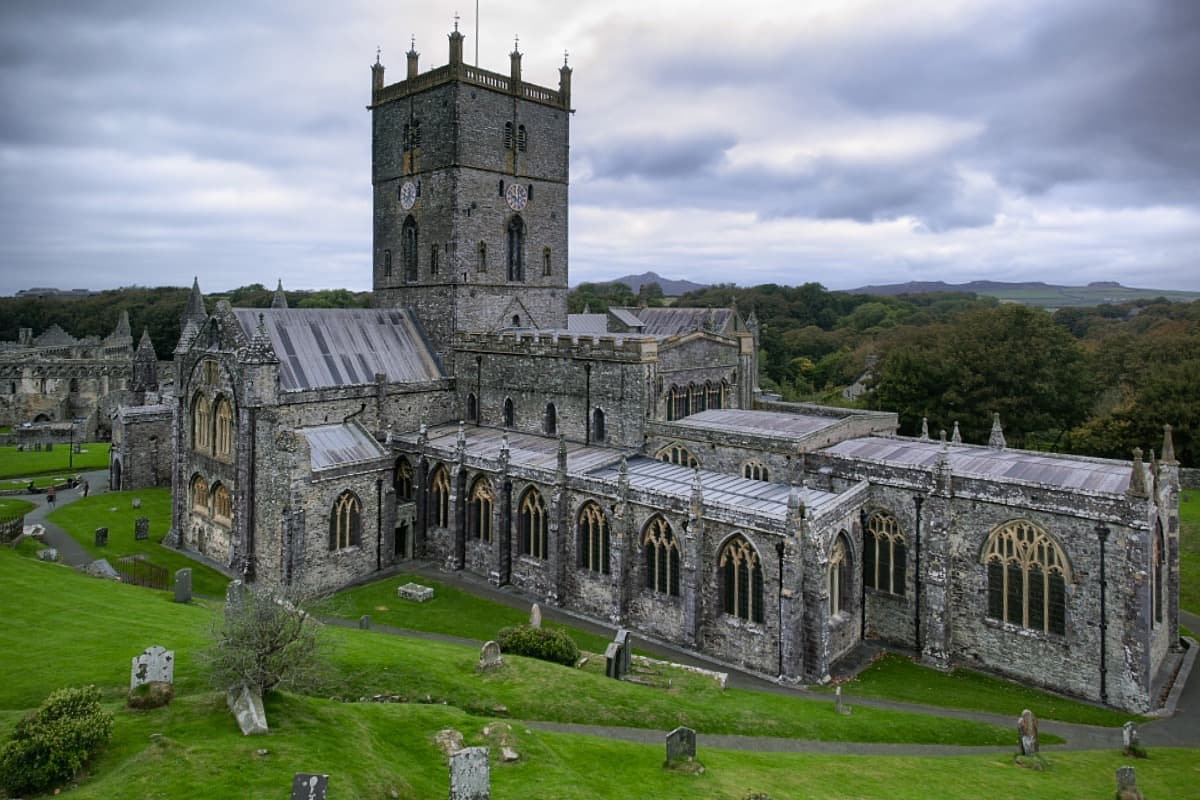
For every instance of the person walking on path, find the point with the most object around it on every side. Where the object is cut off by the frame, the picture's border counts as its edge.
(85, 488)
(50, 495)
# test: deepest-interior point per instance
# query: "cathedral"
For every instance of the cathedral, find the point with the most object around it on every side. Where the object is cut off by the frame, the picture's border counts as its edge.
(623, 465)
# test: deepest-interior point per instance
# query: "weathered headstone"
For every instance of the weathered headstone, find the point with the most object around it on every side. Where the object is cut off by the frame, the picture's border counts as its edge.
(100, 568)
(415, 591)
(246, 705)
(837, 702)
(364, 622)
(235, 593)
(155, 665)
(183, 585)
(141, 529)
(49, 554)
(101, 537)
(613, 661)
(626, 641)
(1027, 728)
(489, 657)
(681, 745)
(1127, 785)
(137, 502)
(535, 616)
(470, 774)
(309, 787)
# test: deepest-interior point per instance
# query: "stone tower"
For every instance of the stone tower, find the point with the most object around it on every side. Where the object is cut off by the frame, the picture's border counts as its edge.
(469, 169)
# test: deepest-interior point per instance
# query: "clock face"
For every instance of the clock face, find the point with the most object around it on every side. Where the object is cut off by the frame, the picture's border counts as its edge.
(408, 195)
(516, 196)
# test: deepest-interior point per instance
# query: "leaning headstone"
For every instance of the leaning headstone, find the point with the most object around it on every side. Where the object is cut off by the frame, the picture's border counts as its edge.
(364, 622)
(489, 657)
(535, 616)
(101, 537)
(100, 568)
(1027, 728)
(1127, 785)
(309, 787)
(246, 705)
(613, 661)
(183, 585)
(49, 554)
(626, 641)
(155, 665)
(470, 775)
(681, 745)
(141, 529)
(415, 591)
(137, 502)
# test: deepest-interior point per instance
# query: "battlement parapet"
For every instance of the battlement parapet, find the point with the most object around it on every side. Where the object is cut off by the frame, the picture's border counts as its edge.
(560, 345)
(465, 73)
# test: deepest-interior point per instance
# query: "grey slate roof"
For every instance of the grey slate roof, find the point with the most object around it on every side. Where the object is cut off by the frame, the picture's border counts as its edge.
(328, 347)
(759, 423)
(339, 445)
(627, 317)
(672, 321)
(1067, 472)
(592, 324)
(524, 449)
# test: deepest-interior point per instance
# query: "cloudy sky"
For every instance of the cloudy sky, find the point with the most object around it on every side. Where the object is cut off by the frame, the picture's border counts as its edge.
(840, 141)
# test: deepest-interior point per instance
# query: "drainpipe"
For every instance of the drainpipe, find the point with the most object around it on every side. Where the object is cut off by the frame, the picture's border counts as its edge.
(779, 553)
(1102, 534)
(587, 404)
(862, 591)
(478, 391)
(378, 524)
(918, 501)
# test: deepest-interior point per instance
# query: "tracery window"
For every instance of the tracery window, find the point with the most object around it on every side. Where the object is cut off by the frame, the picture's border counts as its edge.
(439, 498)
(715, 394)
(677, 454)
(531, 524)
(224, 439)
(199, 495)
(838, 578)
(514, 249)
(593, 539)
(201, 424)
(345, 522)
(1027, 576)
(885, 554)
(402, 480)
(741, 580)
(677, 403)
(222, 504)
(755, 470)
(408, 248)
(1157, 560)
(479, 510)
(662, 557)
(551, 425)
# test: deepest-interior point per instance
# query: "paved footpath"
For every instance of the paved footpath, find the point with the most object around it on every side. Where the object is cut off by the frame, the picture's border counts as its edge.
(69, 550)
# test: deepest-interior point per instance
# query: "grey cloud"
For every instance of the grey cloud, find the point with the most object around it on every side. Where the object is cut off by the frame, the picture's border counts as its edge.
(658, 157)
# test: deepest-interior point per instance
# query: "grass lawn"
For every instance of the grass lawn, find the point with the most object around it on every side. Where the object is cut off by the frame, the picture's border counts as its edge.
(15, 465)
(1189, 550)
(899, 678)
(13, 507)
(115, 511)
(39, 481)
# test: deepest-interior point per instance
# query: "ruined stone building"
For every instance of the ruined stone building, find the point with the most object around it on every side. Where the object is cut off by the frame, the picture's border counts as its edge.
(622, 465)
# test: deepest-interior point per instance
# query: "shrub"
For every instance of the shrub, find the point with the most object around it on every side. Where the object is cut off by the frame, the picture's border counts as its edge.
(50, 745)
(548, 644)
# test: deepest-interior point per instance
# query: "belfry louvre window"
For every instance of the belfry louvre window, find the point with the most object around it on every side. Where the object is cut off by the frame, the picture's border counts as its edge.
(224, 442)
(345, 523)
(514, 254)
(479, 511)
(1027, 575)
(593, 539)
(522, 138)
(885, 554)
(741, 580)
(508, 136)
(222, 505)
(201, 430)
(677, 454)
(838, 579)
(439, 498)
(532, 524)
(408, 248)
(662, 557)
(402, 480)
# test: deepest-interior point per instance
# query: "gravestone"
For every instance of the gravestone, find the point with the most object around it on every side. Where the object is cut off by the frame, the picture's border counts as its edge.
(364, 622)
(183, 585)
(137, 502)
(535, 616)
(309, 787)
(1027, 728)
(49, 554)
(246, 705)
(49, 447)
(235, 593)
(681, 745)
(626, 642)
(470, 775)
(20, 448)
(100, 568)
(78, 448)
(415, 592)
(489, 657)
(155, 665)
(613, 661)
(837, 702)
(141, 529)
(1129, 738)
(1127, 785)
(101, 537)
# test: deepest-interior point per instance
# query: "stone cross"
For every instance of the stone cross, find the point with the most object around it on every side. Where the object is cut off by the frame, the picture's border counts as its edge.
(141, 529)
(183, 585)
(155, 664)
(489, 657)
(309, 787)
(1127, 784)
(535, 616)
(681, 745)
(101, 537)
(470, 774)
(1027, 728)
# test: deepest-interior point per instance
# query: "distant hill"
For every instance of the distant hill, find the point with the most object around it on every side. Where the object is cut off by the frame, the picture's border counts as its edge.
(1035, 293)
(670, 288)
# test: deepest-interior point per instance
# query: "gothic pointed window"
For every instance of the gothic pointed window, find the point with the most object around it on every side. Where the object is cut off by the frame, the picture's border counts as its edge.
(714, 394)
(677, 407)
(661, 552)
(481, 265)
(439, 498)
(676, 453)
(838, 580)
(472, 408)
(1157, 561)
(223, 448)
(199, 495)
(885, 554)
(408, 248)
(433, 260)
(508, 136)
(514, 249)
(531, 524)
(551, 425)
(402, 480)
(598, 432)
(201, 425)
(741, 580)
(509, 413)
(1027, 574)
(222, 505)
(479, 510)
(546, 268)
(345, 522)
(522, 138)
(592, 548)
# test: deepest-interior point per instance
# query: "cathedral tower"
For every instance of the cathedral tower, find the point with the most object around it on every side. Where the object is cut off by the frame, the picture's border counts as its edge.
(469, 170)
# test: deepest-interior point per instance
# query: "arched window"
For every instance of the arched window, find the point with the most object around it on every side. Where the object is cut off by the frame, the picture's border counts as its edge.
(598, 432)
(439, 498)
(408, 248)
(531, 524)
(516, 320)
(509, 412)
(508, 136)
(714, 394)
(755, 470)
(551, 425)
(222, 505)
(676, 453)
(838, 579)
(546, 269)
(1157, 560)
(593, 539)
(741, 580)
(224, 439)
(345, 522)
(885, 554)
(662, 557)
(1027, 576)
(387, 263)
(514, 248)
(201, 430)
(402, 480)
(522, 138)
(482, 264)
(472, 408)
(199, 495)
(677, 404)
(479, 510)
(696, 398)
(433, 260)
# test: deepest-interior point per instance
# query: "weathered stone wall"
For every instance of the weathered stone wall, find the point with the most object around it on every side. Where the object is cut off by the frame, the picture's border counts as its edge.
(142, 452)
